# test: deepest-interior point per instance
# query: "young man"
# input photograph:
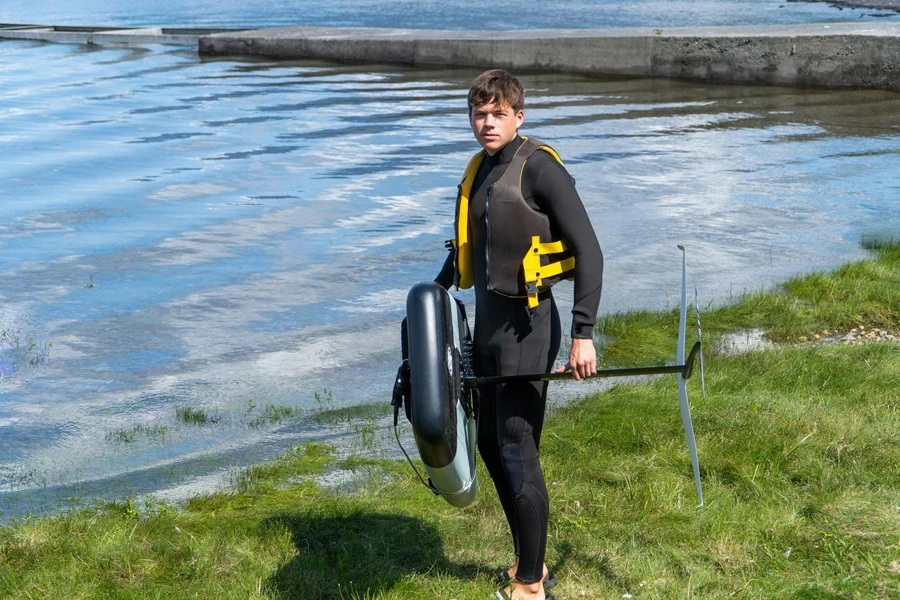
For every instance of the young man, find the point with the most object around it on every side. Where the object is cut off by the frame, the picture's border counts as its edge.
(520, 227)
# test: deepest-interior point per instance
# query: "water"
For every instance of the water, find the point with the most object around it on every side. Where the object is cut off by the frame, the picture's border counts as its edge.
(431, 14)
(235, 235)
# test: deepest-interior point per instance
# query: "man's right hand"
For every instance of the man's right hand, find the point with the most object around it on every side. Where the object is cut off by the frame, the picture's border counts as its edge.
(582, 359)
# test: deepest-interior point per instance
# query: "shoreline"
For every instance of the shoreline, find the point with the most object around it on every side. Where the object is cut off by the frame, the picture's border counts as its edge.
(797, 445)
(365, 430)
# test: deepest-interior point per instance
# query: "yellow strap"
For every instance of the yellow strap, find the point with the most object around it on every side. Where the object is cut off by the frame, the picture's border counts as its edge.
(538, 248)
(546, 149)
(551, 152)
(535, 272)
(461, 243)
(554, 269)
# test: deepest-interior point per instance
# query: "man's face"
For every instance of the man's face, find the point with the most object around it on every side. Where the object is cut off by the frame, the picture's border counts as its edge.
(495, 125)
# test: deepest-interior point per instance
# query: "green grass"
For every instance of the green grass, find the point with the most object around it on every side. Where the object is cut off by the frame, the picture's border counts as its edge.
(129, 435)
(799, 450)
(351, 414)
(195, 416)
(800, 456)
(861, 293)
(272, 414)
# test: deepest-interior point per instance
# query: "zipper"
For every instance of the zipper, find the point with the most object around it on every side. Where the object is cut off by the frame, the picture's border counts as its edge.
(487, 240)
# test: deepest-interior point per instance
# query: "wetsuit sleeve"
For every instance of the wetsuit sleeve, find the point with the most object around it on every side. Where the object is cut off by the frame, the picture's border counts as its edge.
(445, 277)
(551, 188)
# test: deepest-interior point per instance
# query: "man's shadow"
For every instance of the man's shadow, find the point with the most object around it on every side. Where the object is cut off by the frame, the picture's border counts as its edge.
(358, 554)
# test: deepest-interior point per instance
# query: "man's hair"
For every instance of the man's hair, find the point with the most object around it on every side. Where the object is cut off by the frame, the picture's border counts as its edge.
(497, 86)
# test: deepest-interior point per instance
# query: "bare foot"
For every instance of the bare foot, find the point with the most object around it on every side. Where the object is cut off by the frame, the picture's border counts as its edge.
(523, 591)
(511, 572)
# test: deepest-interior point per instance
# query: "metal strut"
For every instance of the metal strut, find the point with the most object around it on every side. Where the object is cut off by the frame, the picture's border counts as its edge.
(682, 380)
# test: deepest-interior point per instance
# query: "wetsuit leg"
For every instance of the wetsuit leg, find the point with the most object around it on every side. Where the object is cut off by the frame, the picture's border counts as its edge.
(511, 417)
(489, 448)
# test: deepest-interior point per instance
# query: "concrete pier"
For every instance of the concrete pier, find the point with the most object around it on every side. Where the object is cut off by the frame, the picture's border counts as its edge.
(127, 36)
(837, 55)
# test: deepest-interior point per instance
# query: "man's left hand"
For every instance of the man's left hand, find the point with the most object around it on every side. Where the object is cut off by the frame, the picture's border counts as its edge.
(582, 359)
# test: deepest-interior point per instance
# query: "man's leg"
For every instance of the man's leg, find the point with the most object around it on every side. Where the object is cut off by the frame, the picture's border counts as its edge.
(514, 421)
(489, 446)
(520, 410)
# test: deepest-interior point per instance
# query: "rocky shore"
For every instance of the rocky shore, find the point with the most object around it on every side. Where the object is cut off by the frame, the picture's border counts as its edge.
(857, 335)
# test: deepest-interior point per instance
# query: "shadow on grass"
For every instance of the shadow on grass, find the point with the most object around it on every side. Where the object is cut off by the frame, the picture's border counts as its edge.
(358, 555)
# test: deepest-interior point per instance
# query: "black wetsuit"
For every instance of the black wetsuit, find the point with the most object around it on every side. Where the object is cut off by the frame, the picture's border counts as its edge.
(509, 339)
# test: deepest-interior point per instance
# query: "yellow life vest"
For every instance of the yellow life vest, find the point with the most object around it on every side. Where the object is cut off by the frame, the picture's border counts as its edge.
(522, 265)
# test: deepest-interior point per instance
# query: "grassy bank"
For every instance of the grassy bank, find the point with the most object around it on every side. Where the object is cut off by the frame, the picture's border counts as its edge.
(799, 447)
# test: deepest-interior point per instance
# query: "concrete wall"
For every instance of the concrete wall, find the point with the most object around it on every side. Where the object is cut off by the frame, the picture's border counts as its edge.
(130, 36)
(837, 55)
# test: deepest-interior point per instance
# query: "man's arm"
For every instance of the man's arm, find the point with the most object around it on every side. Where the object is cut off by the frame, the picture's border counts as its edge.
(553, 192)
(445, 277)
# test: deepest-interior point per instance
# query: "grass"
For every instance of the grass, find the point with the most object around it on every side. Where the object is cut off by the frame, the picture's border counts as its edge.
(129, 435)
(258, 417)
(272, 414)
(861, 293)
(195, 416)
(799, 450)
(351, 414)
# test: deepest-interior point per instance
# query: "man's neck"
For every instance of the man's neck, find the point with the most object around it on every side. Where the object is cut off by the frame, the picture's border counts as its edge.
(502, 155)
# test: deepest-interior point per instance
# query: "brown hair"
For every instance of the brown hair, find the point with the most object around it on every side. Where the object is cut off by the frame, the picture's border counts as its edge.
(497, 86)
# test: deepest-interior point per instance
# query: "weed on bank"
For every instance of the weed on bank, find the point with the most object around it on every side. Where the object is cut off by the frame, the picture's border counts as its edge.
(799, 451)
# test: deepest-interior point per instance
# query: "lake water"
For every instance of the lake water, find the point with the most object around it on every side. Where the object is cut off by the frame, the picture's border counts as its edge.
(237, 237)
(430, 14)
